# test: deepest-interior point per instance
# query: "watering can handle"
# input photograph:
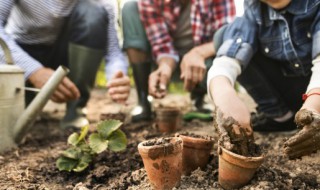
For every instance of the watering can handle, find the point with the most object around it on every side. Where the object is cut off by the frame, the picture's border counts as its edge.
(6, 50)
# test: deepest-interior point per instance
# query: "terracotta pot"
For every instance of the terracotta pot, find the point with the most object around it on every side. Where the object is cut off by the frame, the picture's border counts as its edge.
(168, 119)
(196, 153)
(163, 163)
(235, 170)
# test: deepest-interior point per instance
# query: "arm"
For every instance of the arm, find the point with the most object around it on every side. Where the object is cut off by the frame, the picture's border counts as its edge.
(115, 59)
(116, 64)
(21, 58)
(34, 71)
(151, 14)
(193, 66)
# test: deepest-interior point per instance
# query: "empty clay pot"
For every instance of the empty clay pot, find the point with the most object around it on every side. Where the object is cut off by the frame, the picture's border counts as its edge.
(195, 153)
(162, 160)
(235, 170)
(168, 119)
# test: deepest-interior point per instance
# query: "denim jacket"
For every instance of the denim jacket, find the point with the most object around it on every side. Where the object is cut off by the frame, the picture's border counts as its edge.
(291, 35)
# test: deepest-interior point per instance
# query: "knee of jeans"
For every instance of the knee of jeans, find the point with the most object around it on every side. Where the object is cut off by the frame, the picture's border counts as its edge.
(91, 20)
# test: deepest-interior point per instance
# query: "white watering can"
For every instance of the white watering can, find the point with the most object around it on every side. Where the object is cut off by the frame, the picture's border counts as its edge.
(15, 120)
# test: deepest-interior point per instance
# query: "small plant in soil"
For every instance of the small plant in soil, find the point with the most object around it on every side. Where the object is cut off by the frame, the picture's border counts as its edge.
(84, 148)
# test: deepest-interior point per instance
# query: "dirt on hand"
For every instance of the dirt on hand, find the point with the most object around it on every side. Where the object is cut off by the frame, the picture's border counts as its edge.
(233, 137)
(307, 140)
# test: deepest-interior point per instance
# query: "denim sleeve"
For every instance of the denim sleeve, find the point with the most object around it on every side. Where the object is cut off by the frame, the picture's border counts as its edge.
(316, 35)
(240, 39)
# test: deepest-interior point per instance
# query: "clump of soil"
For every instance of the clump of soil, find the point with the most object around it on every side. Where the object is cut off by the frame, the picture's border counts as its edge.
(157, 141)
(205, 137)
(234, 138)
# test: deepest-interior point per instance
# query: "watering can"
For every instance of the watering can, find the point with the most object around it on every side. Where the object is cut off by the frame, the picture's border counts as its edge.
(15, 120)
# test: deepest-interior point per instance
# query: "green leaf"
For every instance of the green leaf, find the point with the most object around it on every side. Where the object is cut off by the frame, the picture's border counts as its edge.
(83, 133)
(97, 143)
(73, 139)
(83, 163)
(105, 128)
(66, 164)
(73, 153)
(117, 141)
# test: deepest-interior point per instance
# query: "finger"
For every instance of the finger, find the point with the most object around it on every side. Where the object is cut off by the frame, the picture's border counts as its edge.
(153, 83)
(187, 80)
(118, 74)
(301, 136)
(119, 90)
(65, 91)
(304, 148)
(125, 81)
(119, 97)
(72, 87)
(58, 97)
(163, 81)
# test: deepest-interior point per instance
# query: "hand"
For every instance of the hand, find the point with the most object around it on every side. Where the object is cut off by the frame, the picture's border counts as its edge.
(193, 69)
(65, 91)
(232, 117)
(160, 78)
(119, 87)
(229, 103)
(307, 140)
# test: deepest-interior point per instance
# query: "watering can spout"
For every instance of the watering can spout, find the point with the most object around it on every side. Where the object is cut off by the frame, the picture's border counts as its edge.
(29, 115)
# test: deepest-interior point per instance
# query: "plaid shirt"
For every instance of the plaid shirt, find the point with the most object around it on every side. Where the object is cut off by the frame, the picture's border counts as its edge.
(159, 18)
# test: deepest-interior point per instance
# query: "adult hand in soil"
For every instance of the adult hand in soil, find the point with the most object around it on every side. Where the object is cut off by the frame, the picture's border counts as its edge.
(307, 140)
(160, 78)
(193, 69)
(65, 91)
(119, 87)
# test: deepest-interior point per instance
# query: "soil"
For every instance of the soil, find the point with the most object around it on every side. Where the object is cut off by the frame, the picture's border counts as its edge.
(205, 137)
(32, 165)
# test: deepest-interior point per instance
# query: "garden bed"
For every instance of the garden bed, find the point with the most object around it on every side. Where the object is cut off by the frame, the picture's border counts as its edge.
(32, 166)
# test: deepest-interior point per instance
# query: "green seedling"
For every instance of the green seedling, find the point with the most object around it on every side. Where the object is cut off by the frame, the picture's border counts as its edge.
(83, 149)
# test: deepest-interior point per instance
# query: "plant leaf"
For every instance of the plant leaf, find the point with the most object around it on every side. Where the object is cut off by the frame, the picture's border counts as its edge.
(105, 128)
(117, 141)
(73, 153)
(66, 164)
(83, 163)
(73, 139)
(83, 133)
(97, 143)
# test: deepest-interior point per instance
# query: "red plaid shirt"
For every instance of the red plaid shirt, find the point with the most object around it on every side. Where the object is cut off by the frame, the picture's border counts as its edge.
(159, 18)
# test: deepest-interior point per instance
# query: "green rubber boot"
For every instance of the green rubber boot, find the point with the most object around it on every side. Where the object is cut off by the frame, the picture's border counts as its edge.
(83, 63)
(142, 112)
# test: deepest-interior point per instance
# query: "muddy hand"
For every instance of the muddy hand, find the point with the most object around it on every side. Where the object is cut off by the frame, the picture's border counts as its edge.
(232, 136)
(307, 140)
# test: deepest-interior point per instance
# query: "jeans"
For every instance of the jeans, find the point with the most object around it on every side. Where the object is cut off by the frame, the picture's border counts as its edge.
(274, 92)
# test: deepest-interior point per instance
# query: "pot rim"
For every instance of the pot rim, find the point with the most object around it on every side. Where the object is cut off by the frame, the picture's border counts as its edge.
(195, 142)
(245, 161)
(175, 142)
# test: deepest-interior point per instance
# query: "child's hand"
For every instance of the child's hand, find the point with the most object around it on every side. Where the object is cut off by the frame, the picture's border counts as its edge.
(307, 140)
(228, 102)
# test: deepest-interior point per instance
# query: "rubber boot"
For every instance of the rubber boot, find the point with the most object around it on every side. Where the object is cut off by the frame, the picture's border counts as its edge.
(142, 112)
(83, 63)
